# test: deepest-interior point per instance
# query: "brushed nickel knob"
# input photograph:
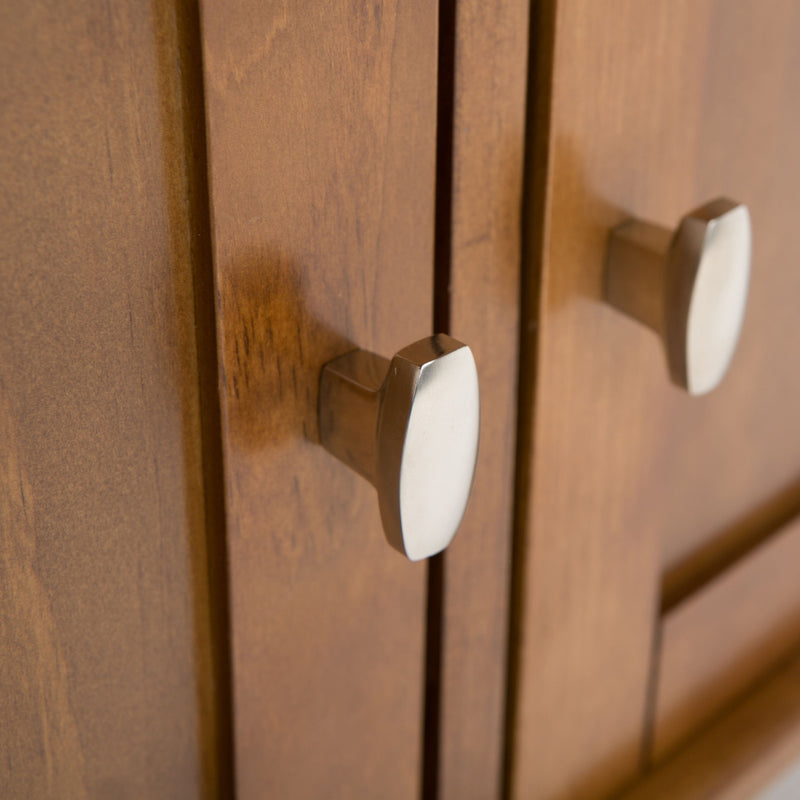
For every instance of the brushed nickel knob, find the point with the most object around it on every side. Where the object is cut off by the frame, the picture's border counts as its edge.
(690, 286)
(410, 427)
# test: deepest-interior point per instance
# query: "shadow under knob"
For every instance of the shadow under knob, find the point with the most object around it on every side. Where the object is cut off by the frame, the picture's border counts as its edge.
(409, 426)
(690, 287)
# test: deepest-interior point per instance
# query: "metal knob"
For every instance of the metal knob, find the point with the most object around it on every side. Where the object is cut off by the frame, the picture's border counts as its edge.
(690, 286)
(410, 427)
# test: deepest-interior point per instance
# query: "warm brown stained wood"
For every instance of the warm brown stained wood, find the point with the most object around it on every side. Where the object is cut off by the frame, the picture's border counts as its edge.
(741, 754)
(487, 151)
(748, 430)
(105, 669)
(655, 108)
(321, 129)
(716, 642)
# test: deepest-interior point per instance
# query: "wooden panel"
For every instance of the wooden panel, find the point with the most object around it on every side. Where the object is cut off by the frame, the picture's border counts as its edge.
(741, 754)
(723, 637)
(105, 669)
(749, 463)
(586, 557)
(786, 786)
(321, 131)
(487, 150)
(646, 118)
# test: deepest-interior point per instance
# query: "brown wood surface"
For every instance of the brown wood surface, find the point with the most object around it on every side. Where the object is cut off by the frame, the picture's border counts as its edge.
(321, 130)
(105, 668)
(655, 107)
(487, 151)
(725, 636)
(741, 753)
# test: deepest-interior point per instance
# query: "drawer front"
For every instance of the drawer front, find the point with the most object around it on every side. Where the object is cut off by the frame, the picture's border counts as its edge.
(751, 751)
(724, 637)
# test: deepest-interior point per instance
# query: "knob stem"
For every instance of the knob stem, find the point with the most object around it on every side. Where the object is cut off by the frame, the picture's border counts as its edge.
(636, 271)
(350, 399)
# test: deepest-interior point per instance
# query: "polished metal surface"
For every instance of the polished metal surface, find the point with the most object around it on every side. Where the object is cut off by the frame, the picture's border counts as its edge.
(690, 287)
(410, 427)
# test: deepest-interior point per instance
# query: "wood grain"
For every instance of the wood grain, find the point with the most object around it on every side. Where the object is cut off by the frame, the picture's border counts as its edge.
(747, 429)
(106, 678)
(487, 150)
(321, 130)
(586, 554)
(741, 754)
(624, 474)
(725, 636)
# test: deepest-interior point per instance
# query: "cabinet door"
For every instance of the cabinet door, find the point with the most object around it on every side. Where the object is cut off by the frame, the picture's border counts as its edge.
(107, 678)
(637, 493)
(321, 123)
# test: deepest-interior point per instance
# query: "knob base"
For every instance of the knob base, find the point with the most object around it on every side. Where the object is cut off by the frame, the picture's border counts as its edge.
(636, 271)
(349, 403)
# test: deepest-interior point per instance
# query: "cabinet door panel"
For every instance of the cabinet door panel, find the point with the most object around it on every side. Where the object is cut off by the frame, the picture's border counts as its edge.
(321, 141)
(653, 109)
(107, 684)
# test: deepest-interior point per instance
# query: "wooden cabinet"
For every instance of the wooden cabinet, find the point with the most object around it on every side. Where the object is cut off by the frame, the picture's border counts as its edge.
(205, 202)
(108, 677)
(638, 499)
(334, 228)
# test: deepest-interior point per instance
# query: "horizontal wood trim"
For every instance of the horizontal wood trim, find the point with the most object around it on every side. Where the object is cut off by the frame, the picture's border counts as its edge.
(730, 544)
(724, 636)
(739, 755)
